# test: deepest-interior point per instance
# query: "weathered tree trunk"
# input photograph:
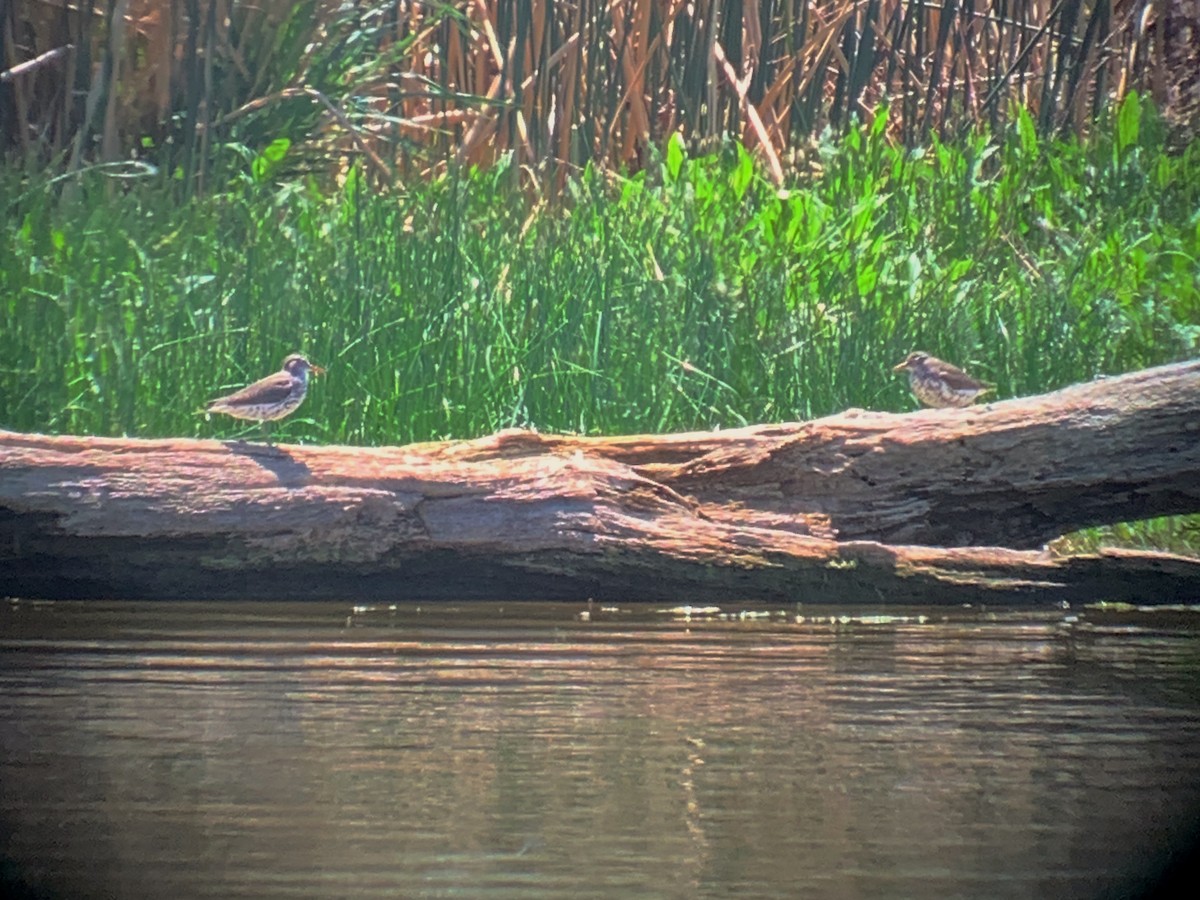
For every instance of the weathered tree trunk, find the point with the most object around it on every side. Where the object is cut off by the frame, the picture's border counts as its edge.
(932, 506)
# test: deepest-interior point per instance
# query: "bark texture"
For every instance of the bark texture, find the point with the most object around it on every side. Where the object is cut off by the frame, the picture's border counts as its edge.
(931, 506)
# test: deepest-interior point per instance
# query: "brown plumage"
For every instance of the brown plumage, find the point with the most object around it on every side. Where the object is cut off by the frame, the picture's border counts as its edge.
(938, 384)
(270, 398)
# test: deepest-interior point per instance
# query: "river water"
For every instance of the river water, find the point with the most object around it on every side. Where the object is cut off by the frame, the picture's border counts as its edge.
(554, 750)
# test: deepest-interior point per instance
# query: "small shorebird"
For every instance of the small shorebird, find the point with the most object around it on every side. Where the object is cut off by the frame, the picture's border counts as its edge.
(269, 398)
(939, 384)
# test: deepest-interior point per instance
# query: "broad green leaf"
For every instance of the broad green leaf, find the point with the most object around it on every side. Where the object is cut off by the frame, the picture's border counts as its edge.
(879, 126)
(743, 173)
(1128, 120)
(1027, 131)
(675, 156)
(277, 149)
(867, 277)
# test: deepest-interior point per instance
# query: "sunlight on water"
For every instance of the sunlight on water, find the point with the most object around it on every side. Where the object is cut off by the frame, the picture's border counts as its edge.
(521, 750)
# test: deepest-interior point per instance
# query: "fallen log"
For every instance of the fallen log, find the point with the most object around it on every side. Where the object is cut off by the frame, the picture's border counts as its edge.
(937, 506)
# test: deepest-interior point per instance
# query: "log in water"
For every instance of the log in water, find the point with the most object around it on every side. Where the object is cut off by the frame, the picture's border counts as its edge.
(932, 506)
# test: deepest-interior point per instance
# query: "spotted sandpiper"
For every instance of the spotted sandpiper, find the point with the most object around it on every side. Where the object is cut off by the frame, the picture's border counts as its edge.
(269, 398)
(939, 384)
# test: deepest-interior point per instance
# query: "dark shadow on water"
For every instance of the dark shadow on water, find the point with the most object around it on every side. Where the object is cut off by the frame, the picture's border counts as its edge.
(290, 471)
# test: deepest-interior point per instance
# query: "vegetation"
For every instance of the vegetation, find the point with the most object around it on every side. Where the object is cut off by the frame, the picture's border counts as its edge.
(1170, 534)
(690, 295)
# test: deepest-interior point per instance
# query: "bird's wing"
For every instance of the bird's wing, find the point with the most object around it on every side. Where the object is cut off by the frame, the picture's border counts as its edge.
(272, 389)
(956, 379)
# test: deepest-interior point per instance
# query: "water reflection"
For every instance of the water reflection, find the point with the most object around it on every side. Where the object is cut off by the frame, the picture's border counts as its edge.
(543, 750)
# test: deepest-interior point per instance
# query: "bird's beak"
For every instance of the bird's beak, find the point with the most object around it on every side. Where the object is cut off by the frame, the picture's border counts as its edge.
(317, 370)
(900, 367)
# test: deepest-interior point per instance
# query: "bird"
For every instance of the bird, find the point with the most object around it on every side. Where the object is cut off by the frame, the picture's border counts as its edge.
(939, 384)
(269, 398)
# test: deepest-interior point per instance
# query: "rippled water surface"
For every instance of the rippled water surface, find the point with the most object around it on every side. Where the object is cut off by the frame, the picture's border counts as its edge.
(480, 750)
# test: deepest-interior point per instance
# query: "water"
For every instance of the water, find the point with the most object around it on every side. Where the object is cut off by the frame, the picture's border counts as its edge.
(322, 750)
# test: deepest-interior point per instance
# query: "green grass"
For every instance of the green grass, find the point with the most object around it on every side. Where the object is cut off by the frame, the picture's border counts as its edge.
(692, 295)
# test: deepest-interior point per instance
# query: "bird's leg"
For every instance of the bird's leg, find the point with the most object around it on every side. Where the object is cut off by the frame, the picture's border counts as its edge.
(266, 426)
